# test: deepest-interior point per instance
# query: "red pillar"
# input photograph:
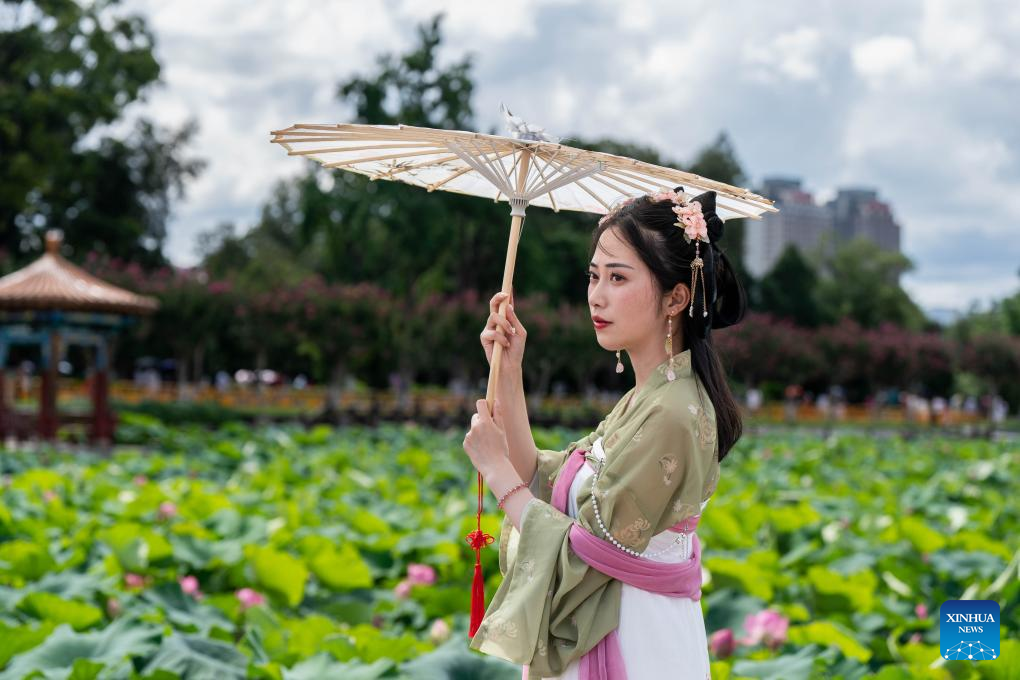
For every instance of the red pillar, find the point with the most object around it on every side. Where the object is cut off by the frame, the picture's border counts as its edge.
(3, 405)
(48, 392)
(102, 419)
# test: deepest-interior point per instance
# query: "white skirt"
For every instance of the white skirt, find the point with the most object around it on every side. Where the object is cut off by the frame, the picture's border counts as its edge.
(660, 637)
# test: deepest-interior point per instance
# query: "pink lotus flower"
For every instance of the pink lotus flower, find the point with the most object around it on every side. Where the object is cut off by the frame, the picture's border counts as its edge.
(113, 607)
(421, 574)
(250, 598)
(134, 580)
(402, 589)
(915, 639)
(140, 480)
(722, 644)
(921, 610)
(167, 510)
(189, 585)
(766, 626)
(439, 632)
(49, 496)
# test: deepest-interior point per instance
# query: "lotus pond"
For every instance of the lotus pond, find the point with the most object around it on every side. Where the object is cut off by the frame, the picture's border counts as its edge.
(292, 554)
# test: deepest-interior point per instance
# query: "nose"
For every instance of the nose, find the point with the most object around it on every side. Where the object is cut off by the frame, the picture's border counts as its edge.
(596, 296)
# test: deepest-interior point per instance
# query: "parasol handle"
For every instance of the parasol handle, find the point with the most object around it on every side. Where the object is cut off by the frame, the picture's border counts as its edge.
(518, 207)
(477, 539)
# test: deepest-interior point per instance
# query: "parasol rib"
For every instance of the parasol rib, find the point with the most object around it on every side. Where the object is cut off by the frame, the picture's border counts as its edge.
(566, 178)
(482, 169)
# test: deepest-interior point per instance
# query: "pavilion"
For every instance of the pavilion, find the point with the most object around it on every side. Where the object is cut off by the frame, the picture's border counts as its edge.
(53, 304)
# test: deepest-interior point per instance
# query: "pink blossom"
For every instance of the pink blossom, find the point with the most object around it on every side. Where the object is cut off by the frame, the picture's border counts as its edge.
(49, 496)
(189, 585)
(140, 480)
(766, 626)
(693, 220)
(113, 607)
(915, 638)
(439, 632)
(921, 610)
(250, 598)
(402, 589)
(421, 574)
(721, 643)
(167, 510)
(134, 580)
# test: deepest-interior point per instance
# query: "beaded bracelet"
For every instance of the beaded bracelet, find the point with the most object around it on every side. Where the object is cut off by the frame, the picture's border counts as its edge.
(507, 494)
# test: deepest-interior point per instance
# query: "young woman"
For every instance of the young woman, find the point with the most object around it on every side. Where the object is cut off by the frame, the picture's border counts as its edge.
(601, 563)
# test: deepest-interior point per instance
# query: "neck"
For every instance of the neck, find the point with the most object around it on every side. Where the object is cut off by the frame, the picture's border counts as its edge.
(650, 354)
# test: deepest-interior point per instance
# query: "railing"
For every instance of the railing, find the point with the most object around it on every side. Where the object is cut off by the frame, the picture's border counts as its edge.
(73, 396)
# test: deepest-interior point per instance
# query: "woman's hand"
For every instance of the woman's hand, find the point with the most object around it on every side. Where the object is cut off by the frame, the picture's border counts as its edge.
(485, 443)
(508, 332)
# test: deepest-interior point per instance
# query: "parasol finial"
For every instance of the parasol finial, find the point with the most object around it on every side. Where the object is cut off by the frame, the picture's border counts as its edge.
(518, 129)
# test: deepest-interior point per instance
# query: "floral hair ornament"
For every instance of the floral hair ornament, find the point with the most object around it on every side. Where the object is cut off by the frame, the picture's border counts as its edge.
(691, 219)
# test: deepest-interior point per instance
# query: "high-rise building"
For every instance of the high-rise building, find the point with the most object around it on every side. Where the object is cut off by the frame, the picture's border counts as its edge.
(858, 212)
(800, 221)
(809, 226)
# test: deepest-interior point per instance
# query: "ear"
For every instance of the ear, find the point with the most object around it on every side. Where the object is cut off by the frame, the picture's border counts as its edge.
(678, 298)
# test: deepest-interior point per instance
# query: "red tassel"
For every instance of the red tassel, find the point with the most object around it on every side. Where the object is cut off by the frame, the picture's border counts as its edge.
(478, 540)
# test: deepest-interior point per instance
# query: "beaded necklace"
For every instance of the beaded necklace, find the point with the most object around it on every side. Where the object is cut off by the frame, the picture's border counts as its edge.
(681, 537)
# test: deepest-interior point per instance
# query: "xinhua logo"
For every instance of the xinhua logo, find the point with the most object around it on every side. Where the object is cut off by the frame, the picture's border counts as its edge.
(969, 630)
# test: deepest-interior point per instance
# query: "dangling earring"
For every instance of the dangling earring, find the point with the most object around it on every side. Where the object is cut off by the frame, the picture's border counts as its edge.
(619, 364)
(670, 373)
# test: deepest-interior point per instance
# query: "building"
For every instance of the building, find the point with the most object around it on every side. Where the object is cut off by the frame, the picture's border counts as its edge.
(858, 212)
(854, 212)
(800, 221)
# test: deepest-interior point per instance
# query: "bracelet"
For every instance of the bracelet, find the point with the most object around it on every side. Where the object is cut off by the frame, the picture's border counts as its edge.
(507, 494)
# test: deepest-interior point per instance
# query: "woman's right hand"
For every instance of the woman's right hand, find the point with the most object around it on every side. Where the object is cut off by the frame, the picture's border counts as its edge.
(508, 332)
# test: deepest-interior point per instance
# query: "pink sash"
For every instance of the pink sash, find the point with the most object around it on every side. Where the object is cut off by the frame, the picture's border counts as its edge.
(675, 579)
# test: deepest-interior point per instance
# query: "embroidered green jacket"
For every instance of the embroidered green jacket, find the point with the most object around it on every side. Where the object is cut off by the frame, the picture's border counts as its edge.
(661, 463)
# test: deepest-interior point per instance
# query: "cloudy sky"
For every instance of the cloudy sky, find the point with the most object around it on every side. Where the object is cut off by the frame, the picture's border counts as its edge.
(918, 100)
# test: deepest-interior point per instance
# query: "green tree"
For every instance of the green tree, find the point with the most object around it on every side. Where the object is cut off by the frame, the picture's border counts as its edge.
(861, 282)
(788, 290)
(66, 70)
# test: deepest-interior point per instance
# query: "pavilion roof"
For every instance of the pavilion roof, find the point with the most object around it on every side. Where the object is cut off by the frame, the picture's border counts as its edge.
(53, 283)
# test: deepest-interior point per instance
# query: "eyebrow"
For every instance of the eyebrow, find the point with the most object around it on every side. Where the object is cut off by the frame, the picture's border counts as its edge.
(610, 265)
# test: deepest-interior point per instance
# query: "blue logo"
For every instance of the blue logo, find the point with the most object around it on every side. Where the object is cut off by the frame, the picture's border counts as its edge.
(969, 630)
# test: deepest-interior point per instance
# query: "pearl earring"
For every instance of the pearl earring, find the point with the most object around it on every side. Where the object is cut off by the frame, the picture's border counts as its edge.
(619, 364)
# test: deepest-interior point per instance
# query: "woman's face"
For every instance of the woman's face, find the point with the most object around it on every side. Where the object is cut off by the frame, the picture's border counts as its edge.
(621, 290)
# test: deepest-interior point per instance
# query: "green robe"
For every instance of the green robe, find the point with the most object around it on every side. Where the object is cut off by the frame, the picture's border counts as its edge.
(661, 463)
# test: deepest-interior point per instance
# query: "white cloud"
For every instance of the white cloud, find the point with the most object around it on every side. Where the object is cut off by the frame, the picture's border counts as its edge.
(886, 58)
(791, 56)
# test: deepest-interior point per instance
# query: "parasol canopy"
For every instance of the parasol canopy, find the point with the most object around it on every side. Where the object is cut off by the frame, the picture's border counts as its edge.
(556, 176)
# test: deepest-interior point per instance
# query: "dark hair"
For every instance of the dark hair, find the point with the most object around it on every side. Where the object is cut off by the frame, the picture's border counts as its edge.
(649, 227)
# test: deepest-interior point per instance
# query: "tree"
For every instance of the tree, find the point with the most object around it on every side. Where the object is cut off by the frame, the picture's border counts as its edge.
(788, 290)
(861, 282)
(66, 70)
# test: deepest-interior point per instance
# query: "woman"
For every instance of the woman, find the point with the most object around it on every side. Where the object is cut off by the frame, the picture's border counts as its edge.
(600, 561)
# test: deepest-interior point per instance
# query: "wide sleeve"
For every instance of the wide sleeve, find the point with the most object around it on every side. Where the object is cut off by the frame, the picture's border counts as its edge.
(549, 464)
(551, 607)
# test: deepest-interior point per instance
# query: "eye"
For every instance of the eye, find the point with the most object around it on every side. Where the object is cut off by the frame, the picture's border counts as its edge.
(590, 275)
